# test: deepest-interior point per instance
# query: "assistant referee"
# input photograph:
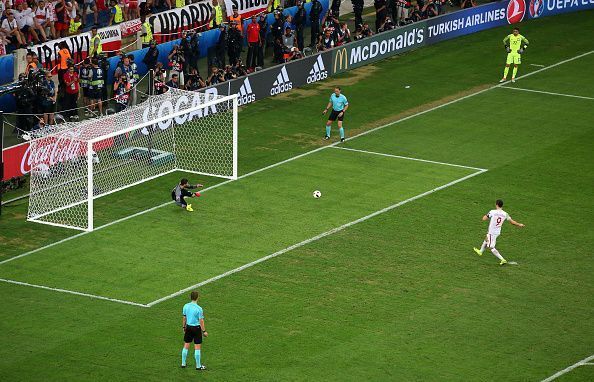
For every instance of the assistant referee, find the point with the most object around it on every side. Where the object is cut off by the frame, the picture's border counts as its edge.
(339, 105)
(193, 325)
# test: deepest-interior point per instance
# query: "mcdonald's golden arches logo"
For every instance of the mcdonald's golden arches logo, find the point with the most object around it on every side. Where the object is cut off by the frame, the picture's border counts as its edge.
(341, 60)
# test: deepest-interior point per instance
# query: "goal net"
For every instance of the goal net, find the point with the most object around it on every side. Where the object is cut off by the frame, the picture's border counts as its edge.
(76, 163)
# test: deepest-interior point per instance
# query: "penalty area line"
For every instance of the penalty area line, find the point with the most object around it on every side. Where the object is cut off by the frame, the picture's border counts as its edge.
(300, 156)
(569, 368)
(312, 239)
(548, 93)
(97, 297)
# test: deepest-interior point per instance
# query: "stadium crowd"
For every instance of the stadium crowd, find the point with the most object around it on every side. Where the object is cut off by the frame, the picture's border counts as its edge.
(86, 85)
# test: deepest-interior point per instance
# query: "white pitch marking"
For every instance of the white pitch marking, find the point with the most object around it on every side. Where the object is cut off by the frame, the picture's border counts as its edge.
(312, 239)
(409, 158)
(568, 369)
(588, 364)
(549, 93)
(512, 263)
(540, 66)
(74, 292)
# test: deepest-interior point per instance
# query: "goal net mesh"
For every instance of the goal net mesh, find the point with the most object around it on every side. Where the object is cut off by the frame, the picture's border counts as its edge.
(177, 130)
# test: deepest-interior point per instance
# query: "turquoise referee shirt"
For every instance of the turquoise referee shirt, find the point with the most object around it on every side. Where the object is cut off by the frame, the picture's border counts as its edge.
(193, 313)
(338, 103)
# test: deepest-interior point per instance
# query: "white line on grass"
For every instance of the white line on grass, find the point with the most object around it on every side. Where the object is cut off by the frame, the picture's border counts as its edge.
(568, 369)
(300, 156)
(549, 93)
(312, 239)
(540, 66)
(587, 364)
(408, 158)
(74, 292)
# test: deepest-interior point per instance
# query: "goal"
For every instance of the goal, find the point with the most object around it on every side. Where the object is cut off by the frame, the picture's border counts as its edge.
(75, 163)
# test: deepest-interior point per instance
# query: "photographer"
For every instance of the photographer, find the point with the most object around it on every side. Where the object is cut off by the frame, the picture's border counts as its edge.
(326, 41)
(314, 16)
(121, 93)
(71, 93)
(177, 63)
(160, 76)
(415, 15)
(263, 23)
(186, 51)
(429, 10)
(276, 29)
(151, 56)
(173, 82)
(48, 101)
(25, 99)
(343, 34)
(229, 74)
(194, 50)
(388, 25)
(380, 13)
(220, 47)
(195, 81)
(216, 76)
(239, 69)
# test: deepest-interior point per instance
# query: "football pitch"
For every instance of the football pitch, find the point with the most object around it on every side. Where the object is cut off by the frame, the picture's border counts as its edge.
(375, 280)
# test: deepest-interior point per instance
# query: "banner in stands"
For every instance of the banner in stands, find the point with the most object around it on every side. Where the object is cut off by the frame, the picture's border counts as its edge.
(111, 39)
(378, 47)
(246, 8)
(166, 26)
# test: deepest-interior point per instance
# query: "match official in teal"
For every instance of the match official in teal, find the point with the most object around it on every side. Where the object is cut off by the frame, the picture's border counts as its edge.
(339, 105)
(193, 325)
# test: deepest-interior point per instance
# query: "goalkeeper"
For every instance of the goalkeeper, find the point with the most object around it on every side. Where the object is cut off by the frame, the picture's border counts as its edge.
(180, 193)
(515, 45)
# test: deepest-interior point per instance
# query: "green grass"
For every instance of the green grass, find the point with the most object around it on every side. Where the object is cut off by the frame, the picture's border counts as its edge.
(400, 296)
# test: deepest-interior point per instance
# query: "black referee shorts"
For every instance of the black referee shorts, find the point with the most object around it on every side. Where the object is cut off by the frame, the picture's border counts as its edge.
(334, 115)
(193, 333)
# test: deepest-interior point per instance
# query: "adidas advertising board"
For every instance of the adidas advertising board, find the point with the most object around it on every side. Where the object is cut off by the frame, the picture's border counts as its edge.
(282, 83)
(245, 94)
(318, 72)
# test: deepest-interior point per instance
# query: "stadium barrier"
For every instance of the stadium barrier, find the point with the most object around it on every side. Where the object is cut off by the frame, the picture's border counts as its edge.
(284, 78)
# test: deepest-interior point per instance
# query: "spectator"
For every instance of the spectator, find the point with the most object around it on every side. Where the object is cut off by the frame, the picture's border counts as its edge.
(236, 18)
(10, 25)
(326, 41)
(62, 8)
(48, 103)
(300, 23)
(38, 23)
(176, 63)
(89, 5)
(96, 86)
(173, 82)
(263, 23)
(146, 32)
(43, 16)
(314, 16)
(121, 93)
(467, 4)
(160, 76)
(95, 45)
(151, 56)
(380, 13)
(116, 15)
(25, 21)
(254, 43)
(195, 81)
(133, 10)
(71, 95)
(234, 43)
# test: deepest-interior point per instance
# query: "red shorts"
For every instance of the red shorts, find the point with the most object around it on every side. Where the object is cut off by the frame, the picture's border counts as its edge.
(61, 26)
(133, 4)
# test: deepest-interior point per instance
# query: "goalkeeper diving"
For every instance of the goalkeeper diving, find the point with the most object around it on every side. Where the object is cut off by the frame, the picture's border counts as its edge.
(515, 45)
(180, 193)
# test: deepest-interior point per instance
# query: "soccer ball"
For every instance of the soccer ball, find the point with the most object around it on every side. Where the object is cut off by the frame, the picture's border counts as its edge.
(317, 194)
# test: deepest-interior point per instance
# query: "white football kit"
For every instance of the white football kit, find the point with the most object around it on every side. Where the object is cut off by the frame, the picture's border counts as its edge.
(497, 218)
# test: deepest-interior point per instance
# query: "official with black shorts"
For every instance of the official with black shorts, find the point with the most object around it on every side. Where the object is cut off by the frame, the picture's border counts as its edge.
(193, 326)
(339, 104)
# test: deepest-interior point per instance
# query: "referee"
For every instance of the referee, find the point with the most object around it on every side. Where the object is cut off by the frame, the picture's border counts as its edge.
(339, 105)
(193, 325)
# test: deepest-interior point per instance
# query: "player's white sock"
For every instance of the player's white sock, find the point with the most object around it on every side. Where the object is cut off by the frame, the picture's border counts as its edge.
(496, 253)
(483, 246)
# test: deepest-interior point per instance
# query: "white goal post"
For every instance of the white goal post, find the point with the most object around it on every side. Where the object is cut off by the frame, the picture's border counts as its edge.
(75, 163)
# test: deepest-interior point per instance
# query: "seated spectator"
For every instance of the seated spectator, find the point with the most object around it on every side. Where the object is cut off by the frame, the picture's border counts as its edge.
(25, 19)
(326, 41)
(43, 17)
(11, 28)
(62, 9)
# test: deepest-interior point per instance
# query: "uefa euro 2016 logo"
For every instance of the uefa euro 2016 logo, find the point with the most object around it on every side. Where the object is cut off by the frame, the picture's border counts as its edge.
(515, 11)
(536, 8)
